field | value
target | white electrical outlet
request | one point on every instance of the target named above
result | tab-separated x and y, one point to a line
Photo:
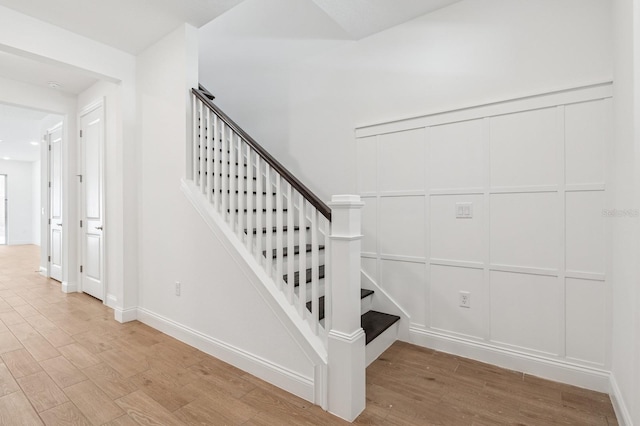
465	299
178	285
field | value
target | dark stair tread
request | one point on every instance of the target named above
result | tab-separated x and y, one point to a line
205	92
237	177
228	176
256	210
275	229
363	293
244	192
296	250
296	276
375	323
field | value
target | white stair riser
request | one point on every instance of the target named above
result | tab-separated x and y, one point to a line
281	240
308	288
254	220
296	261
381	343
254	199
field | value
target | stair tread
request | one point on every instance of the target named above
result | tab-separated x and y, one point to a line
244	192
237	177
296	276
375	323
363	293
275	229
296	250
256	210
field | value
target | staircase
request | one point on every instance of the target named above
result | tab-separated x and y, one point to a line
287	232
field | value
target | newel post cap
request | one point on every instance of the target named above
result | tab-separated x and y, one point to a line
346	201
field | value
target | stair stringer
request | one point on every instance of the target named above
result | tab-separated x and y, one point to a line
299	329
383	302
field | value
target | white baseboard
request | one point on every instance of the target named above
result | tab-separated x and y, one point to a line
548	368
619	406
266	370
20	243
44	272
68	287
125	315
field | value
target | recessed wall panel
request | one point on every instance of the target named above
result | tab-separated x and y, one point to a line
401	226
405	282
524	148
585	232
586	132
446	313
456	156
526	311
369	225
402	157
455	238
586	320
525	230
370	267
366	151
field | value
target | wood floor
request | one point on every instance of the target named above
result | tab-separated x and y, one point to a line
65	361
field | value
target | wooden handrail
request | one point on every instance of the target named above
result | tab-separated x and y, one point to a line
203	94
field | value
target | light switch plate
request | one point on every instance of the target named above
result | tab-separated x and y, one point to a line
464	210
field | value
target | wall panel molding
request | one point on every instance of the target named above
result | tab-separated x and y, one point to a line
524	191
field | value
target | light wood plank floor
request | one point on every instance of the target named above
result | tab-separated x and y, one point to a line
64	360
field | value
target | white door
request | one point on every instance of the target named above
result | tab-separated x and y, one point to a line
54	137
91	145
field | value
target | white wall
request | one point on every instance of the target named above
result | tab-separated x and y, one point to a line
625	251
19	201
469	53
218	309
36	170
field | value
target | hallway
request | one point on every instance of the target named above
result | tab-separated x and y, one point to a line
64	360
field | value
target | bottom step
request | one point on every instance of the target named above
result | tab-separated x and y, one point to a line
375	323
381	330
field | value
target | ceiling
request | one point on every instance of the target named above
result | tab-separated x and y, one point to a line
19	127
362	18
133	25
128	25
38	73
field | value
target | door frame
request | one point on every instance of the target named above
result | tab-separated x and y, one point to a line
90	107
46	167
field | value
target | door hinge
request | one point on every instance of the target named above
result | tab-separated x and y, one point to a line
49	184
80	133
80	176
49	147
80	268
49	258
49	221
81	224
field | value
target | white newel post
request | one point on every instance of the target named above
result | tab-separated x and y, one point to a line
346	340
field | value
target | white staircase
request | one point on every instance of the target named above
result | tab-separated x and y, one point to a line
310	262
